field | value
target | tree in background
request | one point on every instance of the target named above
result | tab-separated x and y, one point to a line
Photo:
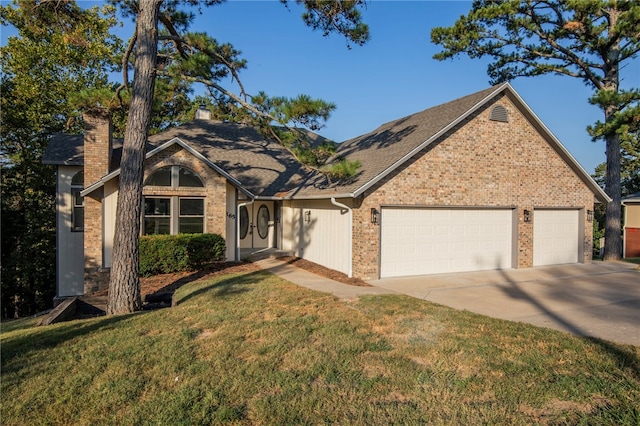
61	50
195	58
590	40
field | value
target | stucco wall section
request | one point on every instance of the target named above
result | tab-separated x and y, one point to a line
478	163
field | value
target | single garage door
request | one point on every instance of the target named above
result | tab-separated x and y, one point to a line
556	237
419	241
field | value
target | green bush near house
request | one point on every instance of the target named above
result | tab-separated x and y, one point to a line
161	254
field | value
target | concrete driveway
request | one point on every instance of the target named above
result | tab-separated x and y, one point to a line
601	299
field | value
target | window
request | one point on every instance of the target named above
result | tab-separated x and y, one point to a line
77	202
174	177
244	222
191	219
173	215
263	221
157	216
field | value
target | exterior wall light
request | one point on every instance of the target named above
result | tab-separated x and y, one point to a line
374	216
590	215
307	216
527	216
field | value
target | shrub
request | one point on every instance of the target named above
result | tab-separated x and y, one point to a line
161	254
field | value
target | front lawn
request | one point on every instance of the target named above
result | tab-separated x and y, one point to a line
253	349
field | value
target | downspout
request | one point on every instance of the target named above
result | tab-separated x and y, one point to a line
238	226
342	206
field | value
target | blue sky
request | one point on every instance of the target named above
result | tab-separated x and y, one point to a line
393	75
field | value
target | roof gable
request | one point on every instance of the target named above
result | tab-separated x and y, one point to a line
393	144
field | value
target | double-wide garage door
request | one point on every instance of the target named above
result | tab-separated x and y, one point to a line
420	241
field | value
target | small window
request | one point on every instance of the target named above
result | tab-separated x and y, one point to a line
244	222
161	177
189	178
157	216
174	176
77	204
191	218
263	221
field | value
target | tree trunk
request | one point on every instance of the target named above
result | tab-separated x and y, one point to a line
612	234
612	183
124	285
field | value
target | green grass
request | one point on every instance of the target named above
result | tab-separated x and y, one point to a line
635	260
254	349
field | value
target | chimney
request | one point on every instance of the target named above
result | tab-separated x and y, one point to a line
98	144
202	113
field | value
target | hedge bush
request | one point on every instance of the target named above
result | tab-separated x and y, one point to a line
161	254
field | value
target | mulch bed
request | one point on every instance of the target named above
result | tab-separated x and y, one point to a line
324	272
158	289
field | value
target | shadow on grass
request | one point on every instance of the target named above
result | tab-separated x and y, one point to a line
233	285
624	358
48	337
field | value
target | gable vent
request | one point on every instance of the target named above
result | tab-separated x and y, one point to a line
499	113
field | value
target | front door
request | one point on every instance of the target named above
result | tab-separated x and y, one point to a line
257	225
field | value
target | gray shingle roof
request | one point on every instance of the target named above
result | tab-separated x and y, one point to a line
261	166
68	150
381	150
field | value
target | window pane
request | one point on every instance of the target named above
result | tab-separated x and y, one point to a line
156	225
244	222
77	218
161	177
191	225
263	221
191	207
78	179
78	200
189	178
157	206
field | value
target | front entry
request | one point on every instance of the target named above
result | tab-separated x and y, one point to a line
257	228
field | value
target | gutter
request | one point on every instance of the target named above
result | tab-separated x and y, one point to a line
343	206
248	203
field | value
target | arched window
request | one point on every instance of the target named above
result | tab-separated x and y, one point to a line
174	176
77	202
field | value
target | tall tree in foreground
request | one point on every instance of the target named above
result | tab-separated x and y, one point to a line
586	39
196	58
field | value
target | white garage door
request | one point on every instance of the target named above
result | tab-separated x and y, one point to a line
433	241
555	237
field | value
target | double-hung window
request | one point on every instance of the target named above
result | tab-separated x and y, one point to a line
173	214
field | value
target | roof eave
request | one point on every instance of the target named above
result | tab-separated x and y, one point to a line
426	143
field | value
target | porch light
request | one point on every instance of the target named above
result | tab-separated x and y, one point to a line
590	215
307	216
527	216
374	216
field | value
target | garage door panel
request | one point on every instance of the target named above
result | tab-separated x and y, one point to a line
444	240
555	237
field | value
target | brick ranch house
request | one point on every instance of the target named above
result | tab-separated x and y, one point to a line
474	184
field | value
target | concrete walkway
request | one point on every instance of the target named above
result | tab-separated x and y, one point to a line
599	299
316	282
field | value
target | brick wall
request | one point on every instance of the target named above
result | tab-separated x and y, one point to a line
97	153
478	163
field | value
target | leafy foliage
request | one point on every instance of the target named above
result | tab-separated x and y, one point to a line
160	254
62	50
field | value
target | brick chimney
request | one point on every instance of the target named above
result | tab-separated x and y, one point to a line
98	146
